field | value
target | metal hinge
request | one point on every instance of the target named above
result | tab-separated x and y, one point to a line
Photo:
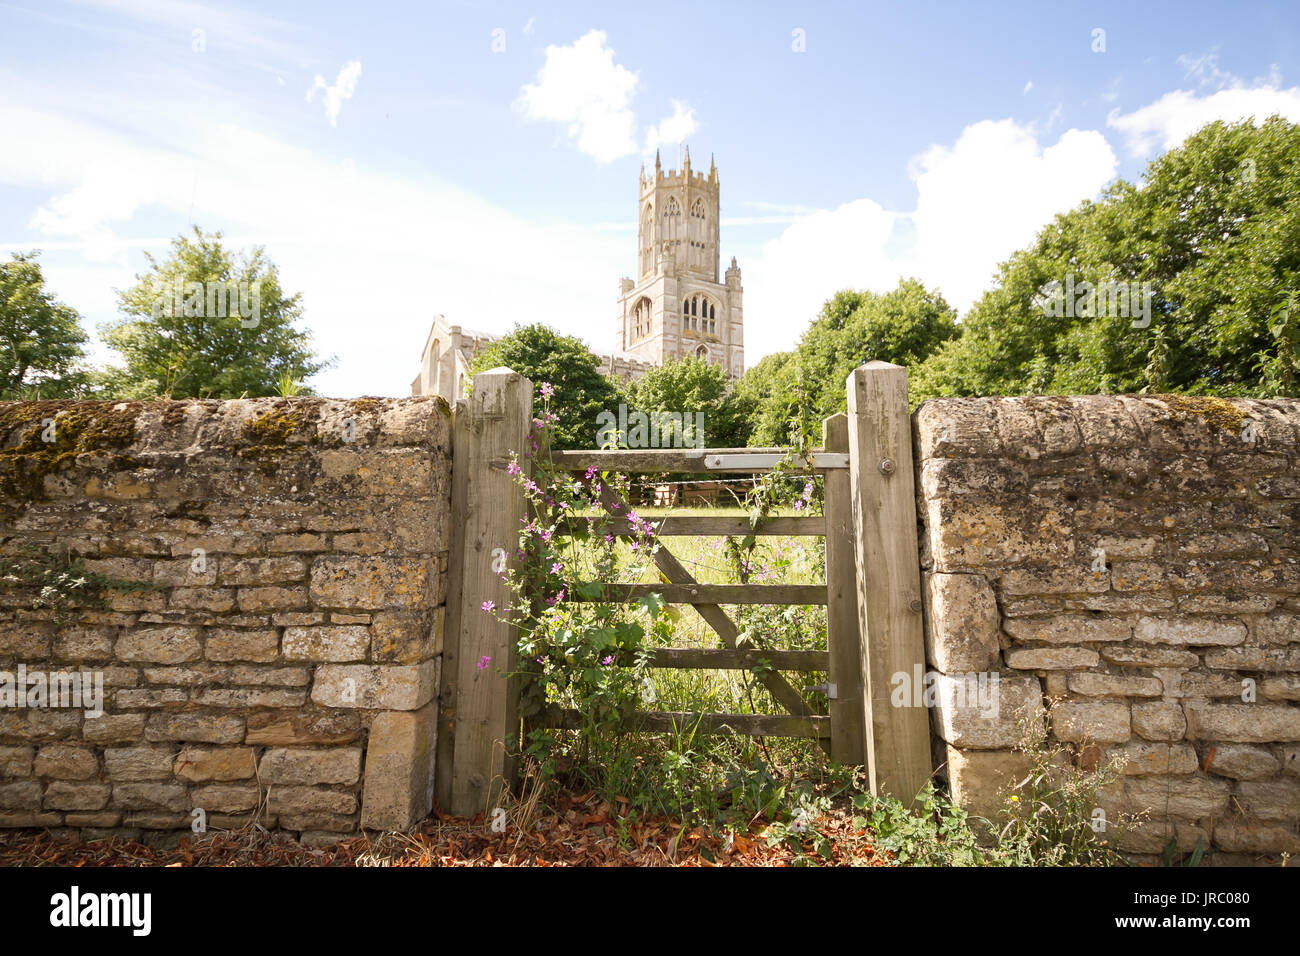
828	689
820	460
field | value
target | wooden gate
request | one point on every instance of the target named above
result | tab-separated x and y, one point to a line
840	730
873	618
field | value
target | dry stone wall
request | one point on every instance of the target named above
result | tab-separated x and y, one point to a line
1129	569
277	658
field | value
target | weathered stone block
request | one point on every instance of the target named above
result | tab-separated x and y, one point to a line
1280	688
270	676
24	795
154	698
1267	659
65	762
70	795
1153	836
1244	837
375	687
961	623
228	644
15	762
132	764
1159	720
1098	722
965	720
197	728
1188	631
330	643
149	796
1143	757
1276	629
243	698
295	766
283	800
216	600
1068	629
113	728
1052	658
1275	800
1243	762
1112	685
1149	657
262	571
1191	796
161	645
369	582
1243	723
405	637
399	769
203	764
290	728
84	644
226	798
979	778
272	599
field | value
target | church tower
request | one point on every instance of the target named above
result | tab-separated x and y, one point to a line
676	307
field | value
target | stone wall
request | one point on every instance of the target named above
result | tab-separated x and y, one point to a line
277	661
1129	567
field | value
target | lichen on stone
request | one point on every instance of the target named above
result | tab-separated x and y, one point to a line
79	428
281	422
1216	412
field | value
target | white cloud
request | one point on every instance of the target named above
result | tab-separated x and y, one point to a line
582	87
1028	86
1206	71
977	202
672	129
442	249
1176	115
344	86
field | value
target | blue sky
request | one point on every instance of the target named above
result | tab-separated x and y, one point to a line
480	160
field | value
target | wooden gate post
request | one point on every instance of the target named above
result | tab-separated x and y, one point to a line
848	721
500	422
889	576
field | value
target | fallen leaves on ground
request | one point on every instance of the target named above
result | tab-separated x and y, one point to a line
576	830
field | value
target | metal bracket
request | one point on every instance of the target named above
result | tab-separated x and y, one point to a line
828	689
820	461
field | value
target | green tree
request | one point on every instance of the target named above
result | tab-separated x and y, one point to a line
42	344
790	393
1212	233
581	391
903	326
770	393
205	323
693	385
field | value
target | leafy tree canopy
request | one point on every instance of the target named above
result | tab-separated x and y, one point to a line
207	324
42	344
1212	233
690	386
797	390
544	355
